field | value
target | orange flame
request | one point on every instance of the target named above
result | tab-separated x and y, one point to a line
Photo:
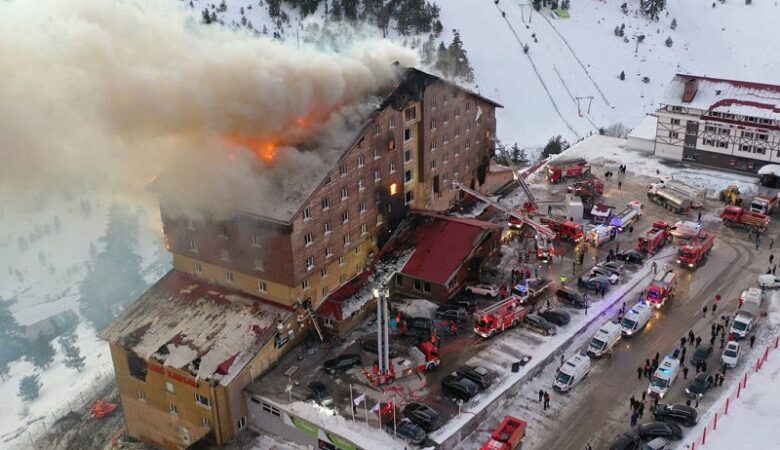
264	149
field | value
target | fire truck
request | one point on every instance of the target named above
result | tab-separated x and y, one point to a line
628	216
695	253
738	217
508	435
653	239
565	169
420	359
498	317
661	288
567	230
592	186
763	204
531	288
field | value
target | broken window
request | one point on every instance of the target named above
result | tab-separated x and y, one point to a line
137	366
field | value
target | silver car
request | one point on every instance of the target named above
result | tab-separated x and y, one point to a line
658	444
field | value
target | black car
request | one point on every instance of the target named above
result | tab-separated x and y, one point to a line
538	323
631	257
423	415
342	363
459	388
556	316
701	354
571	296
651	430
320	393
479	375
682	414
626	441
451	312
371	347
420	326
593	283
700	384
469	304
409	431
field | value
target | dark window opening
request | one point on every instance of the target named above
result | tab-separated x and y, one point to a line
137	366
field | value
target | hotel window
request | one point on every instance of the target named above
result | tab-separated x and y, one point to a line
392	167
393	191
445	119
308	239
342	278
198	267
225	255
410	113
674	134
325	203
377	128
228	276
169	387
190	224
750	119
256	240
305	284
342	261
343	169
724	131
345	216
391	122
433	102
347	239
745	148
677	108
433	124
141	395
361	184
723	144
409	197
222	231
675	121
433	165
760	150
468	106
710	129
457	112
377	153
262	286
206	423
364	229
361	160
765	121
362	207
377	175
173	409
407	134
242	423
193	247
433	144
361	141
309	263
391	144
407	156
259	264
328	227
328	251
468	144
457	132
202	401
761	137
407	176
306	213
357	250
748	135
446	157
378	219
457	151
708	142
271	409
324	272
344	192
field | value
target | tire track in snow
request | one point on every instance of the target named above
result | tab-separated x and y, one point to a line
601	93
538	75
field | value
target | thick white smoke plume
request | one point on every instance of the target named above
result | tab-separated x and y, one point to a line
106	90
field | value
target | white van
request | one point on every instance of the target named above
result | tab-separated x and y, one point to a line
686	229
604	339
572	372
664	376
636	318
747	314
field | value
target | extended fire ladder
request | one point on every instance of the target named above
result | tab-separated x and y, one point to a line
313	316
521	181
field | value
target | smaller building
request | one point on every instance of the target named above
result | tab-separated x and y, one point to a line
447	252
642	138
52	326
601	213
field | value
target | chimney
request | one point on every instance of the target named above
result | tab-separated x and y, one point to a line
691	86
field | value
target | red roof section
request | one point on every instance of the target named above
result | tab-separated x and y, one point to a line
442	246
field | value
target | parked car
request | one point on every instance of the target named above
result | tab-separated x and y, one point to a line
651	430
458	388
342	363
540	325
626	441
479	375
701	354
730	354
469	304
602	272
571	296
768	281
423	415
488	290
593	283
556	316
658	444
420	326
631	257
615	267
409	431
681	414
700	384
320	393
451	312
371	347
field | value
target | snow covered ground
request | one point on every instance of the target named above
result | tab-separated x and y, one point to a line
62	232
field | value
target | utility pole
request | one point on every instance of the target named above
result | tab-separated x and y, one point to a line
530	11
590	101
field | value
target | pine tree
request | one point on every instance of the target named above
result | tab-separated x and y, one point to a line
669	41
565	4
515	153
12	343
335	10
537	4
622	75
40	352
673	25
73	358
443	63
30	387
554	146
4	368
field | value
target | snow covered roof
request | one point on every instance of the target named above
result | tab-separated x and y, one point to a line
188	324
646	129
728	96
770	169
602	210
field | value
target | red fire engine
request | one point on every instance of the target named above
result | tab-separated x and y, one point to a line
661	288
561	170
421	359
498	317
695	253
654	238
734	216
508	435
566	229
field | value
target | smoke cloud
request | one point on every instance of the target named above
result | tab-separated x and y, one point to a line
105	91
